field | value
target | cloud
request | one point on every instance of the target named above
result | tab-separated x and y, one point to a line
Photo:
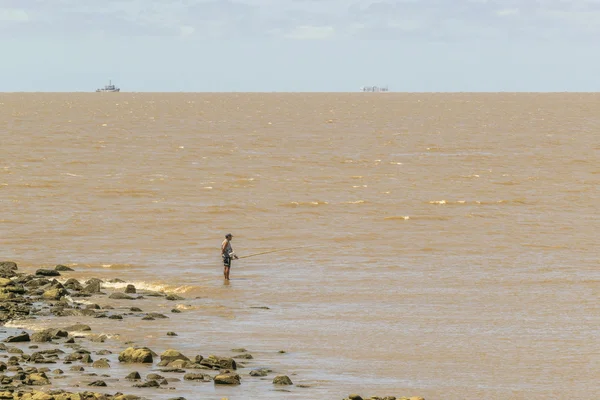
439	20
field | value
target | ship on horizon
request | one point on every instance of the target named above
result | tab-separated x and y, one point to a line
109	88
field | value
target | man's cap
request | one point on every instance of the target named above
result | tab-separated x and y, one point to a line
229	235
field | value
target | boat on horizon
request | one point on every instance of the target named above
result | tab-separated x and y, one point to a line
109	88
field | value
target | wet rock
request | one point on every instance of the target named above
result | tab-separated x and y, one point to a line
227	378
77	368
147	318
281	351
217	362
172	355
172	370
176	311
37	379
77	328
120	296
171	334
197	377
141	355
179	364
134	376
62	268
6	282
47	272
101	363
149	384
260	372
115	316
130	289
58	371
92	287
86	359
239	350
104	352
154	377
54	294
92	307
282	380
156	315
245	356
9	265
174	297
23	337
98	383
135	309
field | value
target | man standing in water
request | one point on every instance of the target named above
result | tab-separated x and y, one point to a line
227	253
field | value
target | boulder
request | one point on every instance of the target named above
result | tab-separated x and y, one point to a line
77	328
130	289
93	287
8	265
47	272
98	383
6	282
149	384
174	297
141	355
259	372
134	376
282	380
227	378
101	363
172	355
197	377
23	337
41	337
120	296
217	362
37	379
73	284
54	294
61	268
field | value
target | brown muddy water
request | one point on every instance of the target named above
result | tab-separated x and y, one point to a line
454	236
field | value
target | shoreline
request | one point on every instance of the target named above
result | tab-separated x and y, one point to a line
31	360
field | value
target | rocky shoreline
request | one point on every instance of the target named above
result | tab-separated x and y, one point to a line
28	372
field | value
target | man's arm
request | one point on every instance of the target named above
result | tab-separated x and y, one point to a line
223	247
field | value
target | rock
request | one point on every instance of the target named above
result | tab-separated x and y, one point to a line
23	337
245	356
355	397
77	368
134	376
217	362
8	265
77	328
6	282
58	372
174	297
61	268
42	396
98	383
239	350
172	355
154	377
130	289
101	363
141	355
148	384
282	380
38	379
259	372
41	337
197	377
179	364
176	311
54	294
120	296
135	309
147	318
97	338
227	379
115	316
104	352
93	287
171	334
156	315
47	272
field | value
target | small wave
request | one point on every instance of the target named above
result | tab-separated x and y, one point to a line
398	217
304	203
153	287
355	202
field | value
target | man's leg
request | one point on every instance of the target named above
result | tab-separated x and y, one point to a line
227	272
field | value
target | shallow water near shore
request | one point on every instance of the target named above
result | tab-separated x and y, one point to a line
453	236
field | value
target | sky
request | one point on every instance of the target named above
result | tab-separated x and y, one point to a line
300	45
